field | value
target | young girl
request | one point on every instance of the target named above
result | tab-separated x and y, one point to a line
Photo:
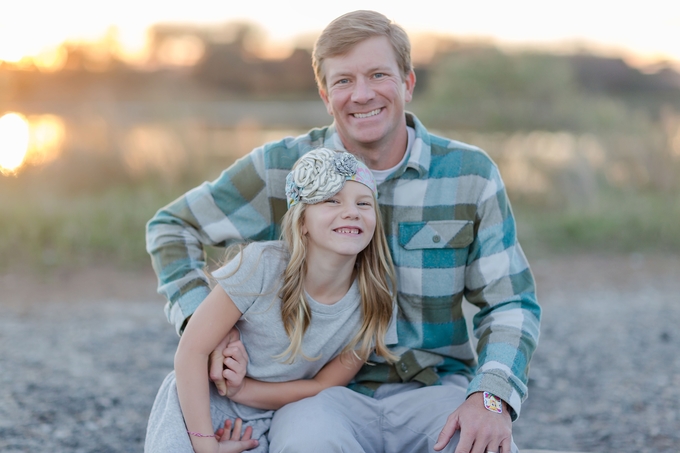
310	308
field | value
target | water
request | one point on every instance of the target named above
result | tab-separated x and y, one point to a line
167	138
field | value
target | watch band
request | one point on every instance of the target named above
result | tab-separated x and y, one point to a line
493	403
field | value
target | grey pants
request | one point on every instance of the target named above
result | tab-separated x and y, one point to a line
167	433
401	418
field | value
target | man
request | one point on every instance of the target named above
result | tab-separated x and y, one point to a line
452	236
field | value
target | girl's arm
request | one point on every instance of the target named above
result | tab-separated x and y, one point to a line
274	395
214	317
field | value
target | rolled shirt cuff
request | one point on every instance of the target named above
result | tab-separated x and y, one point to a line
178	311
495	382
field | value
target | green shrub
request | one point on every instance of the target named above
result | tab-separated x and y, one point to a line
620	222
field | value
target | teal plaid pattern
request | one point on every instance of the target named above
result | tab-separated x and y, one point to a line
452	236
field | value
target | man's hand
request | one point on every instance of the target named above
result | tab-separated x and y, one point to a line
480	429
228	363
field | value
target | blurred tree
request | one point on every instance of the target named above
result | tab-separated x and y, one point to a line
236	68
487	89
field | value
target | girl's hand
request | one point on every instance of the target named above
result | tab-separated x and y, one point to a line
232	441
235	365
216	365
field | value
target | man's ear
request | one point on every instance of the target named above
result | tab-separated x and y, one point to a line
409	84
324	98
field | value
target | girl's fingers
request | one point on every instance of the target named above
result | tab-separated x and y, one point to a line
247	434
220	433
236	350
236	433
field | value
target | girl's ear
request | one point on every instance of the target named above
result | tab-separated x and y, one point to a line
303	227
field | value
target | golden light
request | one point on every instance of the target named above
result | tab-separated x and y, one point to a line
14	138
26	50
154	148
20	44
51	59
46	139
10	53
181	51
133	45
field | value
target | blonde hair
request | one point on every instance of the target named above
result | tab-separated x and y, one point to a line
377	285
346	31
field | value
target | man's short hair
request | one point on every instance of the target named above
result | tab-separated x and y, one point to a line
346	31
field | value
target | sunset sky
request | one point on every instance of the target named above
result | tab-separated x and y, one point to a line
650	30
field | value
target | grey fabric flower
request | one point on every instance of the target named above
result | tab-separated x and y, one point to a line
321	173
345	163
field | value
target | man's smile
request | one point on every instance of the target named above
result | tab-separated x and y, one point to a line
367	115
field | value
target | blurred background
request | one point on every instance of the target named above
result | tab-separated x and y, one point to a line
110	110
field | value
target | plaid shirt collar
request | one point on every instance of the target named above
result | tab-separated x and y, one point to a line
419	151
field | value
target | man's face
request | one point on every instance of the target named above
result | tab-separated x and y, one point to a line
366	95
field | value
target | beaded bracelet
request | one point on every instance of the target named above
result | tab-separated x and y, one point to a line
200	435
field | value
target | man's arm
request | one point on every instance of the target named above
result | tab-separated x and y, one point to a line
216	213
498	281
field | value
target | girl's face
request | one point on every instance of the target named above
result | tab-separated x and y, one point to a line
342	225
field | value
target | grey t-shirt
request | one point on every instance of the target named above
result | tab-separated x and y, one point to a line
254	288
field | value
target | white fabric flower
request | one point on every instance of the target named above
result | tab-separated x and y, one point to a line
316	176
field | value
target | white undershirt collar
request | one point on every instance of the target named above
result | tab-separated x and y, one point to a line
381	175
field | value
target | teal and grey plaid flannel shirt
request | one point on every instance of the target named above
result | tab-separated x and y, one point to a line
451	233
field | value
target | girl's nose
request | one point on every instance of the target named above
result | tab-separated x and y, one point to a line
350	211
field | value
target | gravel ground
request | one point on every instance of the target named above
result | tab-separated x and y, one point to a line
82	355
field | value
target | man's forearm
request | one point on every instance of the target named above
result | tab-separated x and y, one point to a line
175	243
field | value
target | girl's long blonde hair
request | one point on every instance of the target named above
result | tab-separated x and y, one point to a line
377	288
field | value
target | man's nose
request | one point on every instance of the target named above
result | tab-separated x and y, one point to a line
363	92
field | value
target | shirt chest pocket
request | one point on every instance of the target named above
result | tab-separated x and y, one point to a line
436	234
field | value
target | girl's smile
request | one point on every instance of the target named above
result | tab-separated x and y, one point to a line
343	225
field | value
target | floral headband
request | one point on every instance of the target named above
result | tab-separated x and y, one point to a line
321	173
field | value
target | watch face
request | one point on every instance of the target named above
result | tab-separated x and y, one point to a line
493	403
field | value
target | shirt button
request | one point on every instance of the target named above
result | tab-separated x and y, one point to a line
436	238
404	367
